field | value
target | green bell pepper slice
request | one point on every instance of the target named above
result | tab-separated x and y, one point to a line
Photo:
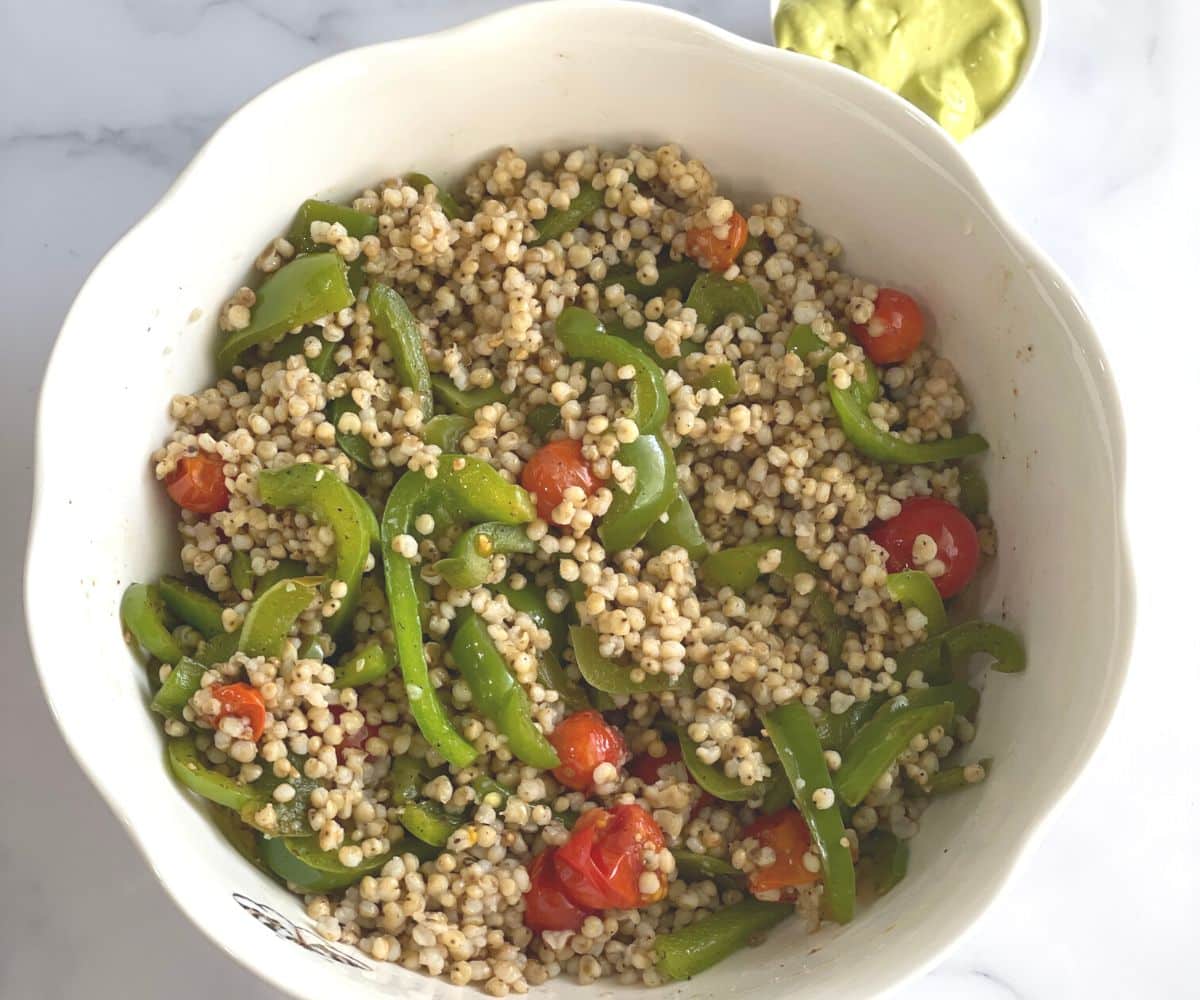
721	377
291	817
963	697
406	778
470	560
186	764
300	292
915	588
465	488
357	224
632	515
446	431
878	745
323	365
144	616
713	779
814	352
884	446
317	491
287	569
544	420
445	200
953	779
396	326
560	221
464	402
791	730
693	866
182	682
218	649
972	492
553	677
490	792
884	860
300	862
690	950
354	445
714	298
680	528
935	657
273	615
240	572
530	600
613	678
583	336
191	606
677	274
428	823
363	666
496	693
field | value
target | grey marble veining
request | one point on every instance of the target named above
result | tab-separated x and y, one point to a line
104	101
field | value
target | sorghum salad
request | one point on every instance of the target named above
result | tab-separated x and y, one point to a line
564	557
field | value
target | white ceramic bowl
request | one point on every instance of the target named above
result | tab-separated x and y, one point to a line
869	168
1035	21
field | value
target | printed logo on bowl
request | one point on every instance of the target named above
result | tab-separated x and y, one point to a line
309	940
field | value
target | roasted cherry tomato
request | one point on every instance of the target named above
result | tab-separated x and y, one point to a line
601	865
949	527
241	701
718	252
553	468
649	769
198	483
786	833
547	905
895	331
583	742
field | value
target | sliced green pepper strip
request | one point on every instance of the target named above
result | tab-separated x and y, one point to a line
287	569
240	572
721	377
144	616
884	446
470	560
964	698
323	365
218	649
693	866
446	431
317	491
490	792
290	819
737	566
428	823
814	352
936	656
445	200
543	420
954	779
713	779
690	950
583	336
972	492
464	402
614	678
466	488
632	515
915	588
182	682
677	274
363	666
795	738
397	327
186	764
560	221
714	298
357	224
354	445
496	693
885	858
300	292
778	793
878	745
406	779
553	677
300	862
273	615
191	606
680	528
242	838
532	602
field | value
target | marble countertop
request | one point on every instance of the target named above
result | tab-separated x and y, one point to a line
106	100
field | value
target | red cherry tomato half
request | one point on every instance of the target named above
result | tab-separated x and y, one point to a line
197	483
894	331
554	467
649	769
719	252
241	701
583	741
786	833
352	741
601	865
957	541
547	906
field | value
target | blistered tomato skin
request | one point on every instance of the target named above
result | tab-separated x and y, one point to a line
649	769
951	530
552	469
894	331
547	906
704	246
601	864
786	833
197	483
583	742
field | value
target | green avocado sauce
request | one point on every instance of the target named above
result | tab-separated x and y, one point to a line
953	59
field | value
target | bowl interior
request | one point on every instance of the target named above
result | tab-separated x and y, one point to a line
870	171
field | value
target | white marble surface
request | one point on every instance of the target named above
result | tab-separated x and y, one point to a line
103	101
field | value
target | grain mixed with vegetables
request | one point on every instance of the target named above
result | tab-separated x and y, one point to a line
564	565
